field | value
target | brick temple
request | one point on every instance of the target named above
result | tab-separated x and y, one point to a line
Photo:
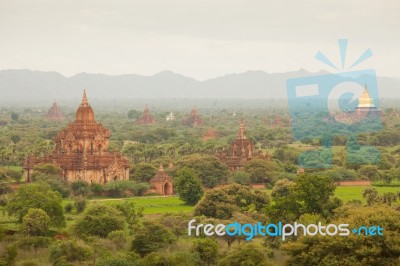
54	113
82	151
240	151
161	183
210	134
194	120
146	118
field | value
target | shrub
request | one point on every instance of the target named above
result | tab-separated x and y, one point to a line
99	221
96	189
150	237
118	188
118	237
70	251
80	188
36	242
9	255
36	223
14	174
80	204
207	248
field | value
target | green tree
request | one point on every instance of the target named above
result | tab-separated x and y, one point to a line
15	139
241	177
371	196
142	172
315	192
133	114
221	203
285	206
207	167
14	116
36	223
69	251
80	204
37	196
207	248
80	188
150	237
188	185
131	212
99	220
47	168
260	171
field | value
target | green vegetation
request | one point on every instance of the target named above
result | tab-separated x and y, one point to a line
52	222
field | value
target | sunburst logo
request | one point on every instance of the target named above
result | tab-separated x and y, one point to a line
344	103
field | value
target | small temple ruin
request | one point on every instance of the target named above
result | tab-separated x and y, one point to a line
161	183
81	151
146	119
54	113
194	120
240	151
210	134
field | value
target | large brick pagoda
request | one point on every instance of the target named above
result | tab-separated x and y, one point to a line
240	151
81	151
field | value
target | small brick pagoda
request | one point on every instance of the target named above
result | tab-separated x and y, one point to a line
54	113
211	134
146	118
194	120
241	151
81	151
161	183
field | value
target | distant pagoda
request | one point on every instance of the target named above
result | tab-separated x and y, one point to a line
82	151
170	117
146	118
211	134
365	102
194	120
366	108
240	151
54	113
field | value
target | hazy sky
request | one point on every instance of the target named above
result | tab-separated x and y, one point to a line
200	39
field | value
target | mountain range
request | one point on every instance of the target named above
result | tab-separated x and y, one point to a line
28	85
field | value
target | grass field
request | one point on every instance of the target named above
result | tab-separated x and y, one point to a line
160	205
347	193
151	205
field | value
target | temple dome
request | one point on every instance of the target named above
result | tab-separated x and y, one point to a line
85	113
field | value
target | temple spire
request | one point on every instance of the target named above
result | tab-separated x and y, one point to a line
84	99
161	169
241	134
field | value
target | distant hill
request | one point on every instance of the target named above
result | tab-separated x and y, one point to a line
27	85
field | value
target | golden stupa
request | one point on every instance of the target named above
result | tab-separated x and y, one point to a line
365	100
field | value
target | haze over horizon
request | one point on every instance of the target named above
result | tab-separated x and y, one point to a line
203	40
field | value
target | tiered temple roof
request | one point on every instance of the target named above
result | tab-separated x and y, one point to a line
194	119
54	113
241	151
81	151
146	118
